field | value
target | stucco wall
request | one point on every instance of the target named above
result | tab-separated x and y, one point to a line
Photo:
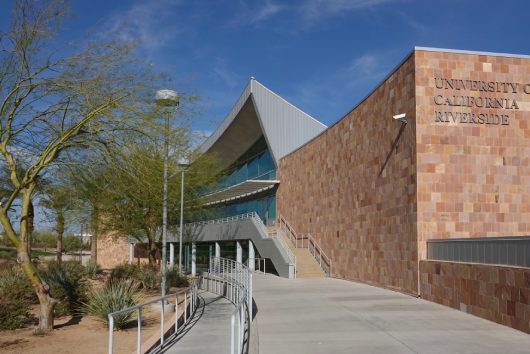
473	179
112	251
332	188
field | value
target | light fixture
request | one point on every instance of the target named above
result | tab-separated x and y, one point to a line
167	98
401	117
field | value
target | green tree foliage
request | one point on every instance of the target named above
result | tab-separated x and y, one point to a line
135	183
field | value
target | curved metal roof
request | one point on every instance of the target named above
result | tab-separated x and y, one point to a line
259	111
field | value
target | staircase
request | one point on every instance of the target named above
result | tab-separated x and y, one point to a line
306	264
311	261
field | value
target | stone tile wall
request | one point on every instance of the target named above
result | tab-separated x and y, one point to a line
496	293
333	188
473	179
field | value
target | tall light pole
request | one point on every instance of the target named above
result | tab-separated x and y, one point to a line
181	219
165	98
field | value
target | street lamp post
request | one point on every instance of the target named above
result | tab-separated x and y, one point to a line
181	219
165	98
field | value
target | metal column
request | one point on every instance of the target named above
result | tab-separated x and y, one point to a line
239	252
251	256
217	250
171	255
131	253
193	259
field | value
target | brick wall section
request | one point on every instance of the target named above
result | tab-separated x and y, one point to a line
331	188
473	179
496	293
112	251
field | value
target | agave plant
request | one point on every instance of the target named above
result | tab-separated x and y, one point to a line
92	270
114	296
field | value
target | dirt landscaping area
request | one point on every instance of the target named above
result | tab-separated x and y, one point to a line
85	335
78	335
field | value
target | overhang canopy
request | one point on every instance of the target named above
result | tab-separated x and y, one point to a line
241	190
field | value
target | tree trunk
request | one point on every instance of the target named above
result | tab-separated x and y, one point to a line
47	303
94	240
30	226
26	220
153	250
59	227
150	230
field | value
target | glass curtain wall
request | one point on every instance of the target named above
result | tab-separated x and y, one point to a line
255	163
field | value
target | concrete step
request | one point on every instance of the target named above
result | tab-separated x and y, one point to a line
306	264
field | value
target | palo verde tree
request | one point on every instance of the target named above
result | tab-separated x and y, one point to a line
135	186
52	106
57	201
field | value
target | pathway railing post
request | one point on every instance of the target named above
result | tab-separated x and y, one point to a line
111	333
139	337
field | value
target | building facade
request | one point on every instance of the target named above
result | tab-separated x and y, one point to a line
423	187
438	207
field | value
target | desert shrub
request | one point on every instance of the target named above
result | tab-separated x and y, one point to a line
67	285
124	271
15	313
176	280
115	295
92	270
147	276
15	284
16	297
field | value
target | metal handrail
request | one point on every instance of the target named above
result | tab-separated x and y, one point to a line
287	250
233	280
251	215
190	292
307	241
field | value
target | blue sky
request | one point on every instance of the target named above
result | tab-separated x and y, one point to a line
322	55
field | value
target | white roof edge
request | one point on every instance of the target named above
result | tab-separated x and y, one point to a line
243	97
289	103
459	51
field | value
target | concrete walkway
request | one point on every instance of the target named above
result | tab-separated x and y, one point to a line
208	330
323	315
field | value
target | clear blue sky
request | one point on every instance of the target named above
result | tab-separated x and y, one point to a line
322	55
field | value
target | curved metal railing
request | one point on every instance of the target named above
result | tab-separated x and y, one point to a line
190	304
233	281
